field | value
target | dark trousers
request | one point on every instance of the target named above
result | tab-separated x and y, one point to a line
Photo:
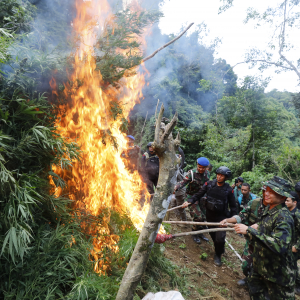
151	182
219	241
259	287
217	237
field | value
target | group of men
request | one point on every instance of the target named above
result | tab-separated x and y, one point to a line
270	224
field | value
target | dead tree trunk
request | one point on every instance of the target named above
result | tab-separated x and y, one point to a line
165	147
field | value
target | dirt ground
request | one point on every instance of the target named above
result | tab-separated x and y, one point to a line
206	280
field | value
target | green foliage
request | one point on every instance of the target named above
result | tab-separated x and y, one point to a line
122	34
16	15
204	256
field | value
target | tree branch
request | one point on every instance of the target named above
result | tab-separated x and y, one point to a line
166	45
282	42
158	124
170	127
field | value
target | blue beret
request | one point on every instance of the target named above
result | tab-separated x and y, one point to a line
203	161
131	137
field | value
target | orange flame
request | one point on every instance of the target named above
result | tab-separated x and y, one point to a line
100	180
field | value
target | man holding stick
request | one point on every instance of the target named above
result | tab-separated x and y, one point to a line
195	180
272	239
219	196
249	215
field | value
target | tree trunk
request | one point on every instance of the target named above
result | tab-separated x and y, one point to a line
165	147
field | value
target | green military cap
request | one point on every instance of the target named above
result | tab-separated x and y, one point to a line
280	186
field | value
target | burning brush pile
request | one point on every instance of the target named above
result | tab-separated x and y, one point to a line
93	116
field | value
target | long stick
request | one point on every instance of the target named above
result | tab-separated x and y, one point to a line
197	223
202	231
166	45
234	251
175	207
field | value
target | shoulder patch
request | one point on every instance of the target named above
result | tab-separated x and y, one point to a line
232	191
205	183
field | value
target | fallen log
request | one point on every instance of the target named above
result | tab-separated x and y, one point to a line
161	238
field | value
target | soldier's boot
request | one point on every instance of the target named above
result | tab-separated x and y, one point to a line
242	282
201	235
217	260
196	239
297	290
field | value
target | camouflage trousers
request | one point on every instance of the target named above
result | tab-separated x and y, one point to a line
197	212
247	256
259	287
298	270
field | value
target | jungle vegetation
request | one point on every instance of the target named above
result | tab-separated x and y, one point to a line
45	254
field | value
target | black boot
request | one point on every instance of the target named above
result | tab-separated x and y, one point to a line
201	235
217	260
242	282
196	239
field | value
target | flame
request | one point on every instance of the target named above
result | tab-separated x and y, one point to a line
100	180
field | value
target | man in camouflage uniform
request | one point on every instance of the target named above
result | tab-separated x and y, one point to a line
195	180
249	215
272	240
291	204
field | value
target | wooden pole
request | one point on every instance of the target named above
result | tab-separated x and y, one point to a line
202	231
175	207
198	223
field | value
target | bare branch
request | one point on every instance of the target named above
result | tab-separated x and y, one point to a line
282	42
158	123
166	45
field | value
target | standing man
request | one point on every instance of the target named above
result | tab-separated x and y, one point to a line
150	168
272	239
249	215
219	196
245	196
195	180
297	189
237	187
291	204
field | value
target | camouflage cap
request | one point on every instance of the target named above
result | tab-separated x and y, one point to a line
280	186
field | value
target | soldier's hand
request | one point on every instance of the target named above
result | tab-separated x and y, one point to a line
224	223
240	228
294	249
255	226
185	204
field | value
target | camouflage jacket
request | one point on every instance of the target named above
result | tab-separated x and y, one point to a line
272	241
195	181
296	215
251	213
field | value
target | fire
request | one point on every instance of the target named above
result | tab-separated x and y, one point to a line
100	180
